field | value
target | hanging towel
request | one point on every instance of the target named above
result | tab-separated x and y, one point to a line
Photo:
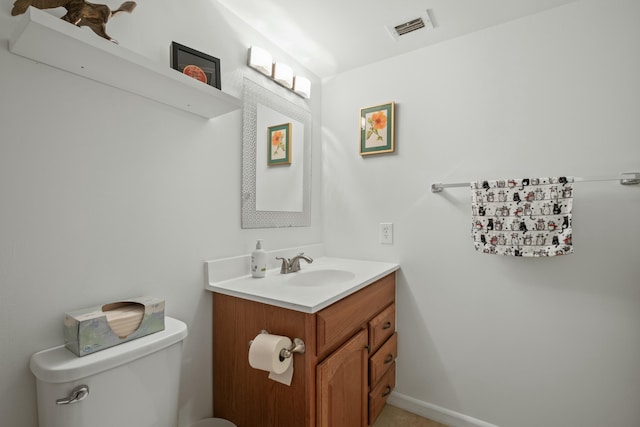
522	217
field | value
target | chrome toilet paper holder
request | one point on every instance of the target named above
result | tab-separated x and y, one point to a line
296	347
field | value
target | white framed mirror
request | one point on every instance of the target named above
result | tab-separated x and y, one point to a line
276	195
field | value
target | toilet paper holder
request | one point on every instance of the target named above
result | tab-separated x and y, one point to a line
296	347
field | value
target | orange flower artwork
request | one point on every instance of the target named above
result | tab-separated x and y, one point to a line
377	129
279	140
377	122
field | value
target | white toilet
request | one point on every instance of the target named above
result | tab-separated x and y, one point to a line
131	384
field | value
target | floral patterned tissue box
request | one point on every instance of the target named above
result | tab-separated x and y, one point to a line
96	328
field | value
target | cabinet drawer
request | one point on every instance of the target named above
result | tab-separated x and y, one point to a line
341	320
382	327
380	362
378	396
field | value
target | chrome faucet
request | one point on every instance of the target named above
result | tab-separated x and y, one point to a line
292	265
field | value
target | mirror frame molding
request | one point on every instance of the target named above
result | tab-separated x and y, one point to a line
254	94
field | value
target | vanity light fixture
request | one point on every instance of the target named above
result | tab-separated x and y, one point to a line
283	74
262	61
302	86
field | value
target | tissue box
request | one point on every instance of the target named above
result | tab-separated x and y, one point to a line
93	329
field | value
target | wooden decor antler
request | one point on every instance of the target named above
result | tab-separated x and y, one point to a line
79	12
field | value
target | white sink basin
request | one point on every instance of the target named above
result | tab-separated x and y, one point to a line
315	287
320	277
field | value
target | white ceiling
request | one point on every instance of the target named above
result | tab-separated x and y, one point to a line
332	36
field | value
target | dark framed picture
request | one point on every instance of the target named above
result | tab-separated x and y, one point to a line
196	64
377	129
279	145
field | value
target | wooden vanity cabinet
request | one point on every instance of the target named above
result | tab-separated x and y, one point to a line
342	380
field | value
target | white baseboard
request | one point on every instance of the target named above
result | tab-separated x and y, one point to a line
434	412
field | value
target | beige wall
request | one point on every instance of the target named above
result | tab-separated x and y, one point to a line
105	195
510	342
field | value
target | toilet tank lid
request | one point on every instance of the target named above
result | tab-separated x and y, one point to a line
60	365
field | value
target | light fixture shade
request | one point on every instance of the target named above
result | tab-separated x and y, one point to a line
283	74
261	60
302	86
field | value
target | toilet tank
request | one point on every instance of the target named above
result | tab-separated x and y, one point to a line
132	384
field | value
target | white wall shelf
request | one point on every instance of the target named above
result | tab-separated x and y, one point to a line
52	41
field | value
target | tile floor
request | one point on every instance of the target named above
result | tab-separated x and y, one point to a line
396	417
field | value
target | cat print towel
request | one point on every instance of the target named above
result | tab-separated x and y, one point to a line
523	217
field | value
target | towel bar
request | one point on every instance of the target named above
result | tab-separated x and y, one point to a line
626	178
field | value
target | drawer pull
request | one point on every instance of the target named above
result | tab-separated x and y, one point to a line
387	391
388	359
386	325
368	347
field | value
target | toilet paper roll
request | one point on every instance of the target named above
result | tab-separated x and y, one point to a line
284	378
264	353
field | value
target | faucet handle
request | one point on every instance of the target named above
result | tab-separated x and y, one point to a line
284	268
294	263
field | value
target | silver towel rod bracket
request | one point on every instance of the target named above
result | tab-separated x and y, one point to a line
634	180
626	178
436	188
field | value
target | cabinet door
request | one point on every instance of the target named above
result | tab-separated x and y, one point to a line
342	385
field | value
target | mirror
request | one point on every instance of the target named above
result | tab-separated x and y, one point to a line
276	194
281	174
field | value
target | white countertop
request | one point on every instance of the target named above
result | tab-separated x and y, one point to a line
299	291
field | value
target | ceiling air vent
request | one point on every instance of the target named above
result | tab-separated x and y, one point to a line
422	21
407	27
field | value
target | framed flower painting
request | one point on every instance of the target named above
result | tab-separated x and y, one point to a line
377	129
279	145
